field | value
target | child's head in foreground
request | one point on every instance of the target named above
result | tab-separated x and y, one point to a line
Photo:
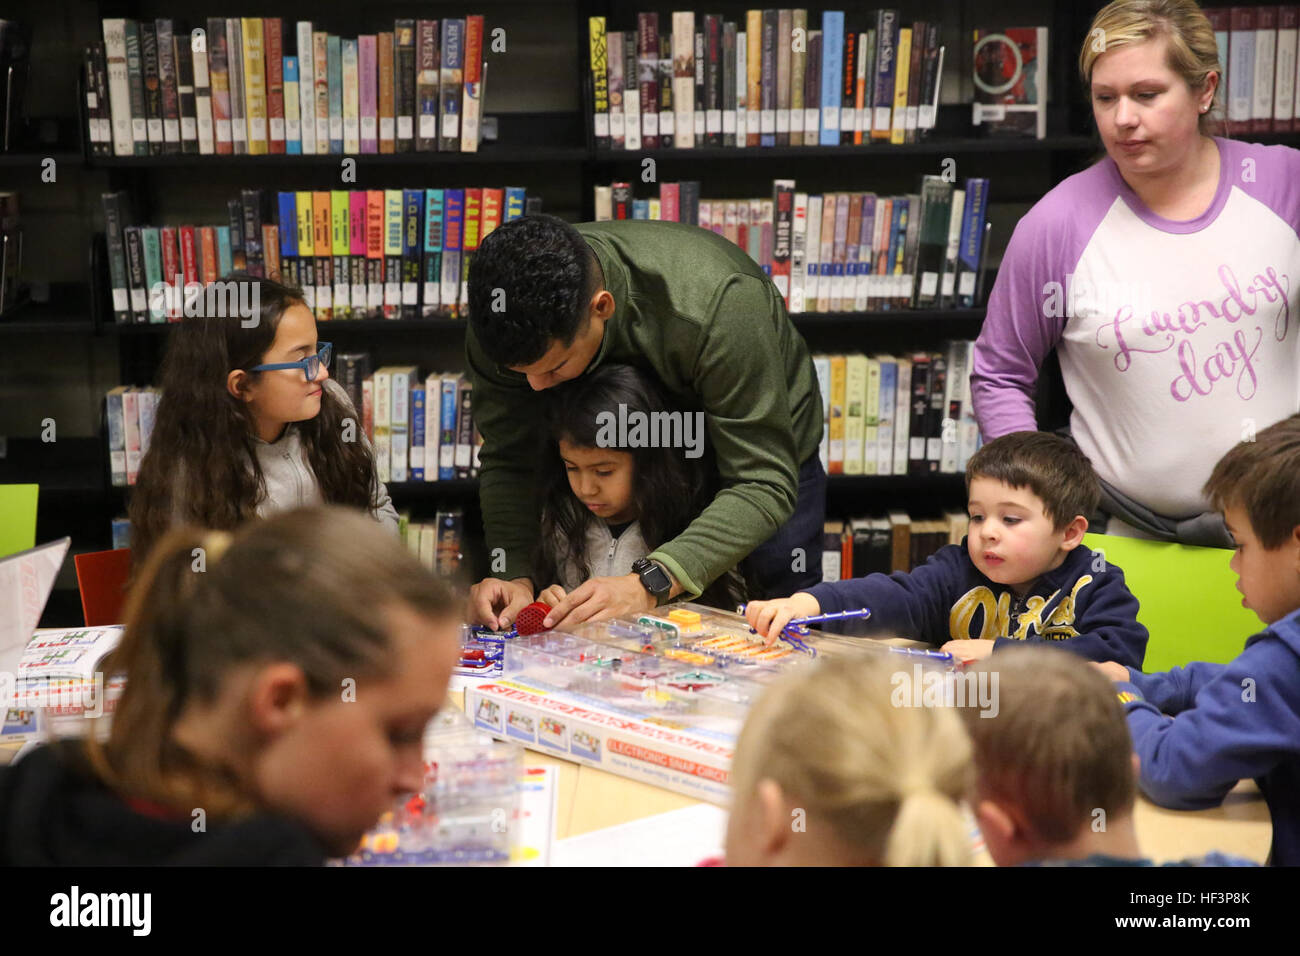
1054	767
1029	495
1257	487
289	667
828	772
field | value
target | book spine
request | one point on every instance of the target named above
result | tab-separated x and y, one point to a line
767	86
273	38
972	240
404	83
783	198
451	80
740	80
375	252
848	87
453	225
887	38
712	80
475	76
306	88
183	54
340	247
667	116
647	67
238	108
426	85
202	92
135	273
470	236
334	80
208	255
1284	80
303	207
599	64
392	253
898	131
367	66
292	108
412	214
631	93
357	251
1265	64
351	98
1241	78
617	77
798	74
152	87
167	85
135	80
832	65
683	59
219	78
320	49
812	94
753	77
153	274
387	121
914	81
322	242
119	89
172	279
431	261
115	222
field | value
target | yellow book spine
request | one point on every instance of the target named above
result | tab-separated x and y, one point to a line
898	133
254	84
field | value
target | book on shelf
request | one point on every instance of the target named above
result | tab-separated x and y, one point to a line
840	252
777	77
1010	77
897	415
267	86
354	254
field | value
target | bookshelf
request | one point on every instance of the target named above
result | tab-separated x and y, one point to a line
541	98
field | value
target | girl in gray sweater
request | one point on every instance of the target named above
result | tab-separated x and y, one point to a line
251	424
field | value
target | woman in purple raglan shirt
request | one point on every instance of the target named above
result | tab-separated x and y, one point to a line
1166	277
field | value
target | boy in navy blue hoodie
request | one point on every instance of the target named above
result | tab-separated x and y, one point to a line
1199	729
1019	575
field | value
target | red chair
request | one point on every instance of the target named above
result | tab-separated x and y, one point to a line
101	578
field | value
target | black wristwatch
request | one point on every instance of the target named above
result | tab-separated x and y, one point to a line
653	578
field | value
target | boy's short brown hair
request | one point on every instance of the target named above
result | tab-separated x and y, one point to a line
1050	466
1058	748
1263	477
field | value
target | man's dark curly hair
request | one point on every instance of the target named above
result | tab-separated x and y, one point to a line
548	276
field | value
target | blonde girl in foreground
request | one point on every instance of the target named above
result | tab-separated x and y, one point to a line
828	772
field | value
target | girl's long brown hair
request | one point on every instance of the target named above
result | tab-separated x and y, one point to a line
202	464
308	586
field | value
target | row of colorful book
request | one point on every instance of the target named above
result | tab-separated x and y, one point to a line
233	86
898	415
841	252
773	80
421	427
439	543
896	541
393	254
1257	50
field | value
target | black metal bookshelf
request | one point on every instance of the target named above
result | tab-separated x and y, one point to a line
550	150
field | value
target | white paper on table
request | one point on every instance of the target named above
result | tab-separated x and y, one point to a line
682	837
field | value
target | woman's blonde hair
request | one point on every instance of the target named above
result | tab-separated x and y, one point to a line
888	780
1191	49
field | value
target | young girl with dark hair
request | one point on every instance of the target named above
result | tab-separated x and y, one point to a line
602	506
281	687
250	423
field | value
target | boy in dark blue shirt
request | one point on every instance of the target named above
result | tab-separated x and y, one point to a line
1199	729
1019	575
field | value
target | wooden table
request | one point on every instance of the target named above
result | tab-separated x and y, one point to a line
591	799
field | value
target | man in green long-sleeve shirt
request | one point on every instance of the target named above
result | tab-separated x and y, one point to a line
549	302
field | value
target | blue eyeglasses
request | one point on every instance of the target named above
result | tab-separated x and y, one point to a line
310	366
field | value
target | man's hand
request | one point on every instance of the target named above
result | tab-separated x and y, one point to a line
769	618
1112	669
494	602
969	651
599	599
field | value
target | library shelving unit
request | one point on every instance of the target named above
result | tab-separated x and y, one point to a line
551	154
